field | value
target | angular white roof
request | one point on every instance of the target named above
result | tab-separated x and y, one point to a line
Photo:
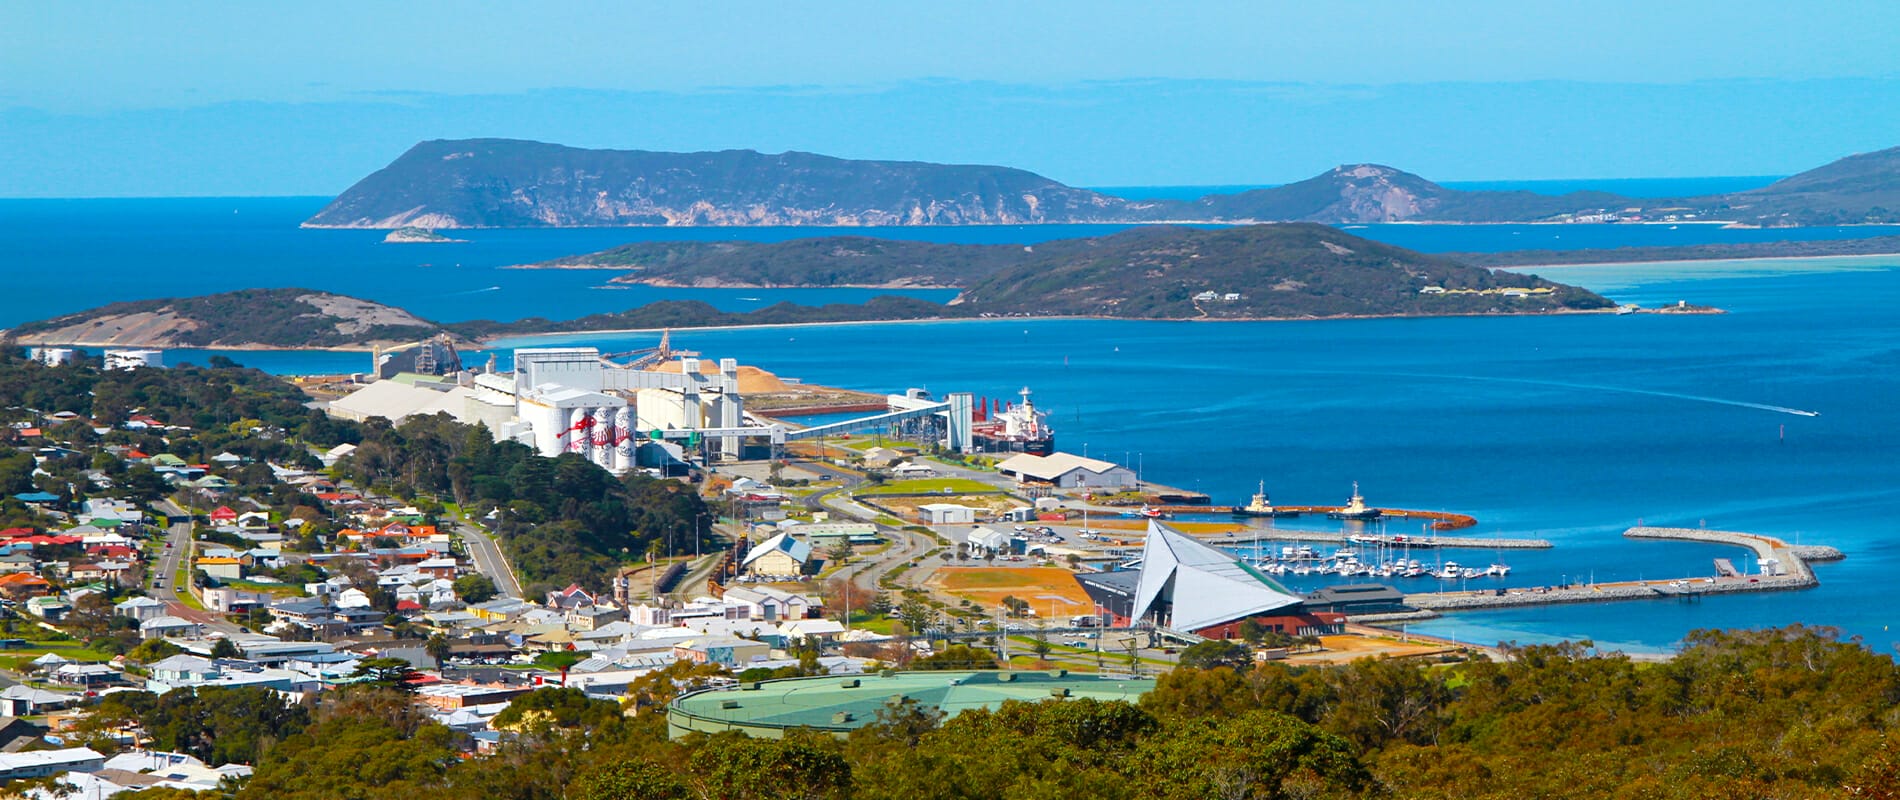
1206	586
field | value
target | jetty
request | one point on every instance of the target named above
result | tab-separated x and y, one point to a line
1783	567
1275	535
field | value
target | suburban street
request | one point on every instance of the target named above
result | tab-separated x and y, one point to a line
488	559
164	580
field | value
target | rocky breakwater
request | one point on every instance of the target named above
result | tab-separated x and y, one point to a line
1787	568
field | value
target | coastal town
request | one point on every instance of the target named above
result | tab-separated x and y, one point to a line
849	401
922	534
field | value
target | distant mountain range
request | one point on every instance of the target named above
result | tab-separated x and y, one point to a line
481	183
505	183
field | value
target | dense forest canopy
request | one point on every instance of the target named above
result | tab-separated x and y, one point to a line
1780	713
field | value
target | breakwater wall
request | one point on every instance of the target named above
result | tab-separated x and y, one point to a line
1792	561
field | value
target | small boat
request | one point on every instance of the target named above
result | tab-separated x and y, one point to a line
1356	508
1261	507
1151	513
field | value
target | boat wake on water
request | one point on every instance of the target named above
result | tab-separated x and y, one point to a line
1617	389
476	291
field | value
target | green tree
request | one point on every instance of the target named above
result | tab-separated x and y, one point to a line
438	649
386	672
956	657
1217	653
915	614
225	648
797	767
628	780
1248	754
560	661
475	588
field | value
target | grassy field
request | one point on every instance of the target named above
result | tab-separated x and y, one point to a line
932	486
1045	589
274	589
181	582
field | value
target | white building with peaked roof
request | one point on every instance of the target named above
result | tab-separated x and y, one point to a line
780	555
1189	586
1067	471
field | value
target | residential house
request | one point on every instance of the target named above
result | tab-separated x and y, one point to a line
21	586
718	650
48	607
814	630
226	600
184	670
88	675
167	627
221	567
140	609
42	763
768	604
569	598
592	618
302	610
20	700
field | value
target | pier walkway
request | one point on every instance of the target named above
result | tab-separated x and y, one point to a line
1788	562
1252	535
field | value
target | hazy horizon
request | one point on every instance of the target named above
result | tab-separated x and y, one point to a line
138	100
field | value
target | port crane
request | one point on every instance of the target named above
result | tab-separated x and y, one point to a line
431	354
648	357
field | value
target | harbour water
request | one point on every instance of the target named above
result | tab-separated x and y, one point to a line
1567	428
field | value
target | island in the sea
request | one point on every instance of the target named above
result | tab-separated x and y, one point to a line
417	236
1257	272
488	183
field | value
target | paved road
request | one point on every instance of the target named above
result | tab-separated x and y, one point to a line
165	579
488	559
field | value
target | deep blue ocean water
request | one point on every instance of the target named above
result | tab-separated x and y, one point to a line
78	254
1569	428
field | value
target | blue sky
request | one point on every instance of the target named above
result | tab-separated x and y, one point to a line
142	99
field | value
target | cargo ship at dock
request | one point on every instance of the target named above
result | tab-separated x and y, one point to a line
1013	428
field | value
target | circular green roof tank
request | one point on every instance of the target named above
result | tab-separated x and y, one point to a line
842	703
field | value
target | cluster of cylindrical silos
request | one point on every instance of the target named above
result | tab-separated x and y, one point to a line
603	435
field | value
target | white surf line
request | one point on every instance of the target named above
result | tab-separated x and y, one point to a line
1594	387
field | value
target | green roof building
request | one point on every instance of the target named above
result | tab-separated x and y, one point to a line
841	703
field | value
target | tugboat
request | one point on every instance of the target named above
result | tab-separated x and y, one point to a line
1260	507
1356	508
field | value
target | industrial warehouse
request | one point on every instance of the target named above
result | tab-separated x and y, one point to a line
656	412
